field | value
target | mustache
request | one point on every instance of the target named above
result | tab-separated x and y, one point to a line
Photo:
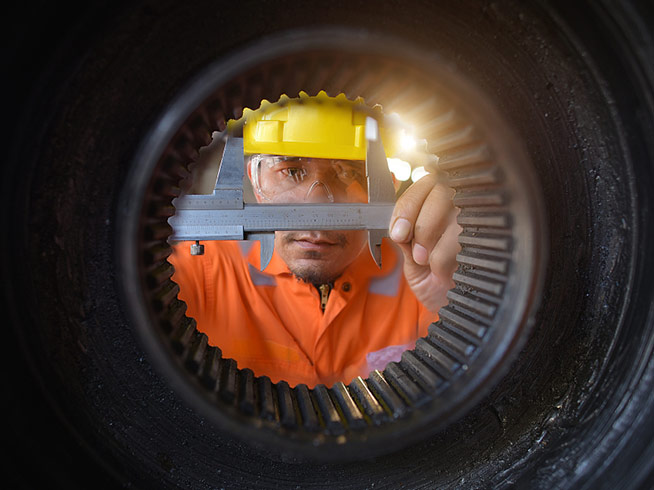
332	237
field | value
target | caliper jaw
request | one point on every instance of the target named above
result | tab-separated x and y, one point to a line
380	184
267	242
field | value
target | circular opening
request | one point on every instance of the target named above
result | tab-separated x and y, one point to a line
497	282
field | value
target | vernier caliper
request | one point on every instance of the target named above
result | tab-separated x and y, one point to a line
223	215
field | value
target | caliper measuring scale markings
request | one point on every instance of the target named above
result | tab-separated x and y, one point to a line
223	215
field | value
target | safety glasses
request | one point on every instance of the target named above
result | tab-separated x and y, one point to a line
297	179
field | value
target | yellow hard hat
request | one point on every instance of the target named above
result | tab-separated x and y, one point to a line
317	126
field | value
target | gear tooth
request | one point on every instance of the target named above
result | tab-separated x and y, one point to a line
265	103
341	97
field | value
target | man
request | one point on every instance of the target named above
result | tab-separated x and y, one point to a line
321	311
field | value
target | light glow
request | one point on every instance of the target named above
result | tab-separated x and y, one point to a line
400	168
407	142
418	173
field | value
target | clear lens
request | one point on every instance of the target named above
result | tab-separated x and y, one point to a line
296	179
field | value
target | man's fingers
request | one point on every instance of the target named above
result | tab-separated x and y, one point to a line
442	259
408	207
433	219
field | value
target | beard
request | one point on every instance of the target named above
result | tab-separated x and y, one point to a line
314	276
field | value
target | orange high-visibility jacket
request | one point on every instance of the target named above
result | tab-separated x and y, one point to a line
273	323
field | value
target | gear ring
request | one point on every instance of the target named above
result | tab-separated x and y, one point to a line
498	281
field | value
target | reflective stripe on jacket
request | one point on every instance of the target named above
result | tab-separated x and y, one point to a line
272	323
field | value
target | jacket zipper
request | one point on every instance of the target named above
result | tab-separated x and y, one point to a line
324	295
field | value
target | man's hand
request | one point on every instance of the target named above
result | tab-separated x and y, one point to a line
424	226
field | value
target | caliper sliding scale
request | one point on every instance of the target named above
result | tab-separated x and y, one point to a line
223	215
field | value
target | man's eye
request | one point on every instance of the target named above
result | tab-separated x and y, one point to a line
295	173
350	174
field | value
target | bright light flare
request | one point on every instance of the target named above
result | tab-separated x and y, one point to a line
400	168
407	142
418	173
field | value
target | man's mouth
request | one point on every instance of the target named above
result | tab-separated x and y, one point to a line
314	244
316	241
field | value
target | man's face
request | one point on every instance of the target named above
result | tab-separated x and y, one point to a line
317	257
